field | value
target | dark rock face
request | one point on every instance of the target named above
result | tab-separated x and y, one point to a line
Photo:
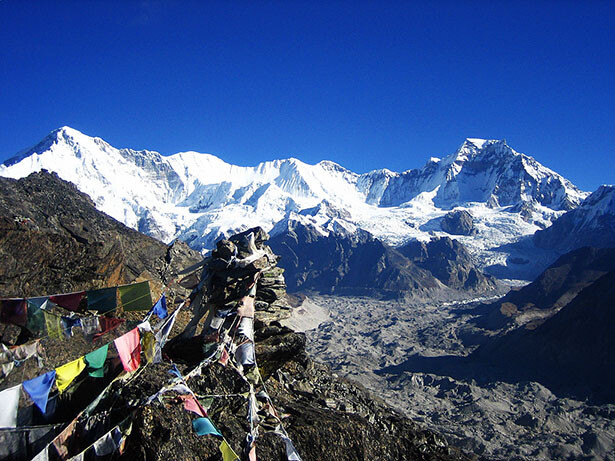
53	240
552	290
449	262
591	224
573	351
458	222
355	263
359	264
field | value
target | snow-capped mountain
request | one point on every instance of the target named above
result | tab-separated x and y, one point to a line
198	197
591	224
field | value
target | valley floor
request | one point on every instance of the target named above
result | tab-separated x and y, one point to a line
412	355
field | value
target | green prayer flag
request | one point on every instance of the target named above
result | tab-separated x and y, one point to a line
136	297
36	318
53	323
96	361
103	300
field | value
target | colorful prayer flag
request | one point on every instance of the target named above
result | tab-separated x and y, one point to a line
227	452
14	311
204	426
96	361
160	308
247	307
103	300
38	389
136	297
36	318
107	324
53	323
67	373
191	404
129	349
70	301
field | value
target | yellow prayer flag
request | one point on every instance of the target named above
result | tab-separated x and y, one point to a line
53	323
148	343
67	373
227	452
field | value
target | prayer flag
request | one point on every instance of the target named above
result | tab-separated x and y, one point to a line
14	311
129	349
252	454
291	453
36	318
9	402
190	404
67	373
148	342
247	307
103	300
67	325
136	297
108	443
38	389
70	301
246	327
203	426
160	308
163	334
227	452
53	323
107	324
96	361
245	353
90	326
224	357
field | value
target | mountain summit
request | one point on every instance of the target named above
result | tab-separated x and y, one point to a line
199	197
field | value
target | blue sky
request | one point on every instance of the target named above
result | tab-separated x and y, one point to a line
365	84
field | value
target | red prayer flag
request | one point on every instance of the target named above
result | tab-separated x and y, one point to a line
70	301
107	324
224	357
129	349
14	311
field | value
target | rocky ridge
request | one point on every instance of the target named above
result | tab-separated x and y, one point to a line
357	263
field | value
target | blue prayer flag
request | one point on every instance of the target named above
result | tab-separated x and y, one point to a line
203	426
38	389
160	308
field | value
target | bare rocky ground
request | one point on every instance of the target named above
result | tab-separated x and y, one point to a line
360	337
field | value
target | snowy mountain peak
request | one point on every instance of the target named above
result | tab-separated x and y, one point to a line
199	197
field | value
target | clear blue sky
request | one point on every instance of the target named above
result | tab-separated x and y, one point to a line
366	84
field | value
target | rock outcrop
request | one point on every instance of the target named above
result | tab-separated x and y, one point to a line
458	222
449	262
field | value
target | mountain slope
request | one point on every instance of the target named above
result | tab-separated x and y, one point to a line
573	351
553	289
591	224
53	240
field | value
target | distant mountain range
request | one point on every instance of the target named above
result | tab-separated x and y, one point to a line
485	194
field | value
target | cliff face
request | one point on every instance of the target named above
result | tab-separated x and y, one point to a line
55	241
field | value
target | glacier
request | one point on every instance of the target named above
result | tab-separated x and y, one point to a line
199	198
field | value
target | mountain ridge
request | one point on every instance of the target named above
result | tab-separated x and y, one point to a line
200	198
